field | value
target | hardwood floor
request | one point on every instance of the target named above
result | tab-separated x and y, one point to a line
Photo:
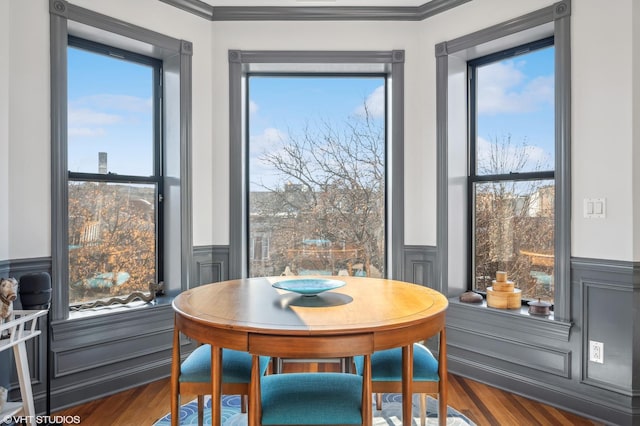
485	405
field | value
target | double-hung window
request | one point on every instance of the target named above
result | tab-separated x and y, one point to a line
115	181
511	182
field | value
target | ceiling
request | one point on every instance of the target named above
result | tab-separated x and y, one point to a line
301	3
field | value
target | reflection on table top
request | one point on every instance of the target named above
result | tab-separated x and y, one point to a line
363	304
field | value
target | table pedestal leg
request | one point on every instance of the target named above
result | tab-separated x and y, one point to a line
216	385
407	385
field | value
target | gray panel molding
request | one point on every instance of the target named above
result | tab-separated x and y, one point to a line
490	321
315	13
608	286
212	264
419	264
533	358
58	7
316	56
513	26
96	20
197	7
579	401
94	387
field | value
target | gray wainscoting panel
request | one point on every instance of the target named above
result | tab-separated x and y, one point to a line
107	353
548	360
531	359
212	264
609	298
419	265
37	364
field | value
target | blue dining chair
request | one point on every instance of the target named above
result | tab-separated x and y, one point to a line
317	398
386	375
194	377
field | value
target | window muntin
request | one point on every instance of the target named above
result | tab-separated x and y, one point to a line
114	179
511	168
316	166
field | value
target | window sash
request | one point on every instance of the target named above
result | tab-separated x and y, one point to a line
474	178
156	179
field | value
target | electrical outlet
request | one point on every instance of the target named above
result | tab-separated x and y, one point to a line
596	352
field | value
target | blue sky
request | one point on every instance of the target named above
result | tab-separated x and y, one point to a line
110	110
516	97
110	106
280	106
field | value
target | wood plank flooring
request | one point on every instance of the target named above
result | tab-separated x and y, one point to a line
483	404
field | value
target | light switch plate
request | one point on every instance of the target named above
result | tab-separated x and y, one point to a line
595	208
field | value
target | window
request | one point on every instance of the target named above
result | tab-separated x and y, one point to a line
316	164
288	213
115	178
85	173
454	270
511	168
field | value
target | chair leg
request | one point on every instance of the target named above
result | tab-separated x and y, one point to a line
379	401
243	403
200	410
423	409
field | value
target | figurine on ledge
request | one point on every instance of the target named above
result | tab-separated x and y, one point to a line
8	293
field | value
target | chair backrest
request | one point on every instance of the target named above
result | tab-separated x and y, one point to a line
311	347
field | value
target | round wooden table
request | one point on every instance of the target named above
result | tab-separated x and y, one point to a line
249	314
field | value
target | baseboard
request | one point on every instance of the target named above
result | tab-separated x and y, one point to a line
575	402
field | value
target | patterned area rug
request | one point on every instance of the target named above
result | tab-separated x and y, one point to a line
391	413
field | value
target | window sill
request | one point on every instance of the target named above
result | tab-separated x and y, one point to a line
480	317
136	306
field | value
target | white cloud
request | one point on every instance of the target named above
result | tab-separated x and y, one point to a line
116	102
536	157
374	104
86	132
501	89
86	116
253	107
269	140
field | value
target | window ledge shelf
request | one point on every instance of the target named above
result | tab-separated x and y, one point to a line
482	318
119	308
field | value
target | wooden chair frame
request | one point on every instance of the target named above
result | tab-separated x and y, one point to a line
423	388
198	388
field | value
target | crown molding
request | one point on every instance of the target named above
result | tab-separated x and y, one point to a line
315	13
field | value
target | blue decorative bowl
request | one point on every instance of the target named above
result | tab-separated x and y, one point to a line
308	286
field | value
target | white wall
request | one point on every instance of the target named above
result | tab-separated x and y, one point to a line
157	16
29	130
312	36
602	125
603	128
4	129
636	128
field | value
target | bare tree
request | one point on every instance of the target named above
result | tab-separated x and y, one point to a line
329	200
514	221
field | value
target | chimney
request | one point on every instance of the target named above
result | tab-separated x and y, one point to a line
102	163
